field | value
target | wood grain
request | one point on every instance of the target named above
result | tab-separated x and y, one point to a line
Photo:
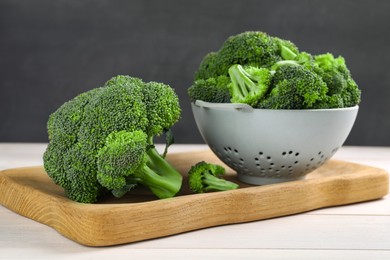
140	216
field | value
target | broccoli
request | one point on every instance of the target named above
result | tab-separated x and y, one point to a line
256	49
287	49
249	48
210	90
338	79
253	51
207	68
294	87
204	177
126	160
249	84
119	119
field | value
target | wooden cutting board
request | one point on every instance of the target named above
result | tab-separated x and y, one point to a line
140	216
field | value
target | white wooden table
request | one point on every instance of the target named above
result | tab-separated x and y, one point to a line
360	231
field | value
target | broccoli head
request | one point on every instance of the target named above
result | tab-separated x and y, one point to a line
207	68
294	87
124	162
210	90
204	177
249	85
338	79
92	135
251	48
256	49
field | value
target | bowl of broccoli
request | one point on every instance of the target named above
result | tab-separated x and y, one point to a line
271	112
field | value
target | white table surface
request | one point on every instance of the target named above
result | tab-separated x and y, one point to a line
359	231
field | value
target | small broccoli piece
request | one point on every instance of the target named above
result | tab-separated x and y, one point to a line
294	87
249	84
204	177
333	71
208	67
305	59
124	161
337	78
213	90
121	156
287	49
84	139
333	101
256	49
281	63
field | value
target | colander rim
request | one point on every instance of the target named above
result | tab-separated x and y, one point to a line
236	106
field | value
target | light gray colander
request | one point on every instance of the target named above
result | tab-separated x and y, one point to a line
267	146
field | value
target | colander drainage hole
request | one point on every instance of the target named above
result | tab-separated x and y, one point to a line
228	149
290	153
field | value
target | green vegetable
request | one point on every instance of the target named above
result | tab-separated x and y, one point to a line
204	177
208	67
102	140
211	90
243	55
127	159
294	87
249	85
250	48
338	79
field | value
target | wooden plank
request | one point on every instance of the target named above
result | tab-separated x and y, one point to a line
298	232
139	216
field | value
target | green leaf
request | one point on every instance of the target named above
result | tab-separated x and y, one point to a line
169	140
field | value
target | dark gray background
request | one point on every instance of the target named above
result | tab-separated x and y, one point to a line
52	50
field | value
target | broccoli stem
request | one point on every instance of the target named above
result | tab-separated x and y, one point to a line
162	179
162	186
286	53
281	63
212	183
242	83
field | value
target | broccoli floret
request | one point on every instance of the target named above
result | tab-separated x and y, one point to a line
208	67
342	89
338	79
85	128
126	160
162	107
210	90
287	49
305	59
249	84
204	177
251	48
333	101
294	87
256	49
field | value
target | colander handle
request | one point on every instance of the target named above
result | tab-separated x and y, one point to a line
238	106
